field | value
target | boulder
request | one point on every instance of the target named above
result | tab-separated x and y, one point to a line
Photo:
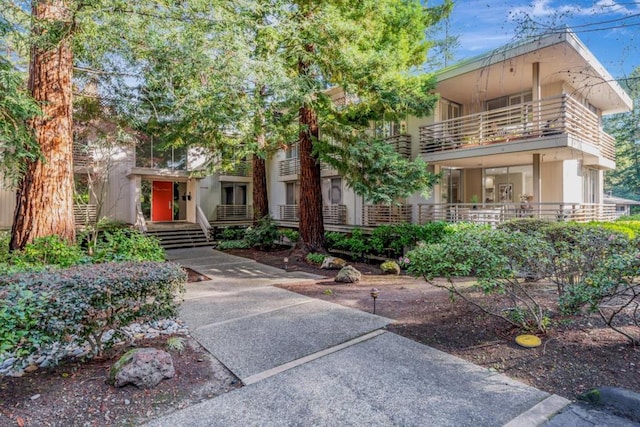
333	263
348	275
142	367
390	267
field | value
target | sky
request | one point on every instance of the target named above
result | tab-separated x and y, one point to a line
609	28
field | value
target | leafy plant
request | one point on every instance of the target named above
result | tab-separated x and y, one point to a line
292	235
232	233
263	235
49	250
176	343
315	258
83	302
127	245
233	244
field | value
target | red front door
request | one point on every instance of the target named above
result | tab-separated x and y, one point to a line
162	201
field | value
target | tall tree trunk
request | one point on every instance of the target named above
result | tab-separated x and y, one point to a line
260	197
311	221
45	193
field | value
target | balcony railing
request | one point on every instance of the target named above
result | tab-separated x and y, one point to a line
374	215
289	213
242	168
234	212
85	214
561	115
495	213
401	143
334	214
81	155
290	166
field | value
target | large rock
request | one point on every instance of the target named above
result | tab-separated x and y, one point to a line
142	367
390	267
348	275
333	263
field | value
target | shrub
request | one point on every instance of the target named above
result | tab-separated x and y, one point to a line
335	240
233	244
524	225
5	237
232	233
315	258
263	235
127	245
292	235
83	302
49	250
501	261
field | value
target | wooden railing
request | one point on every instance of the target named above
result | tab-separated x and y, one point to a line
289	213
289	166
203	222
334	214
234	212
374	215
81	155
85	214
401	143
495	213
560	115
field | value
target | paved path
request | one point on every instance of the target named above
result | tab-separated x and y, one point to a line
306	362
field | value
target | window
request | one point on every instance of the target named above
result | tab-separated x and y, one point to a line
449	109
292	151
332	191
292	193
451	186
591	185
385	129
234	194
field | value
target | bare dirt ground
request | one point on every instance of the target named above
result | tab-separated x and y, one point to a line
577	354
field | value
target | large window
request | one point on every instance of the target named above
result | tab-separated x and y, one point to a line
591	185
332	191
292	193
507	184
150	155
451	186
385	128
234	194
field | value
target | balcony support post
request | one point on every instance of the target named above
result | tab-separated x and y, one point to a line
537	184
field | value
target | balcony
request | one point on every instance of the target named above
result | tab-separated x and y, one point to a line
234	212
289	213
242	168
375	215
401	143
334	214
85	214
496	213
289	166
82	158
561	115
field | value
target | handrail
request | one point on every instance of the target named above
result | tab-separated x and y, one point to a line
495	213
202	221
548	117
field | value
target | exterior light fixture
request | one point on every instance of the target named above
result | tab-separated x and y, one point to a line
286	264
375	293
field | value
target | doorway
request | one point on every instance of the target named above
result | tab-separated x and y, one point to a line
161	201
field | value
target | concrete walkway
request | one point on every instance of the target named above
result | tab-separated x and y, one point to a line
306	362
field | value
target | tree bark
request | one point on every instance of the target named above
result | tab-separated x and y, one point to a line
45	193
311	223
260	195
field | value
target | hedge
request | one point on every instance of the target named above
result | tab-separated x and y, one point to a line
83	302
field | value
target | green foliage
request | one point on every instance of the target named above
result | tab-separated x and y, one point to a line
524	225
233	244
49	250
315	258
501	262
292	235
127	245
176	344
83	302
231	233
263	235
397	237
16	109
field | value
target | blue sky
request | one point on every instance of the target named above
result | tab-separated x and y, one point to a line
609	28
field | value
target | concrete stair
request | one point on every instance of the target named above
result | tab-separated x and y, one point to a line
183	237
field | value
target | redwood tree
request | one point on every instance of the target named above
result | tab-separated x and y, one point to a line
45	192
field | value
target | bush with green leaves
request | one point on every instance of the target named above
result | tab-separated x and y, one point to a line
127	245
83	302
501	261
263	235
315	258
231	233
392	240
49	250
292	235
233	244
